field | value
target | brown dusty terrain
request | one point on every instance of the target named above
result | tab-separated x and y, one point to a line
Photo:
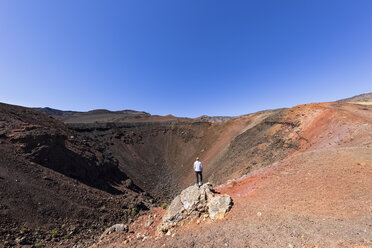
56	188
299	177
313	187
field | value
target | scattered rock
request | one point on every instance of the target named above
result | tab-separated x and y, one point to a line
128	183
231	183
3	207
149	221
362	164
22	241
114	228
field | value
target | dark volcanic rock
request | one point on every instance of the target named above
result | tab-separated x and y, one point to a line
55	112
94	116
55	183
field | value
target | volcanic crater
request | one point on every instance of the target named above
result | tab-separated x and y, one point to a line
66	176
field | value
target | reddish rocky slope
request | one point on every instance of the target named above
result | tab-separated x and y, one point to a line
314	191
303	165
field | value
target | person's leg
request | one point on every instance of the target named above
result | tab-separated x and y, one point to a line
201	178
197	178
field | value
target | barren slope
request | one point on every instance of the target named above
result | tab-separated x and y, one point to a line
317	194
55	186
158	154
363	99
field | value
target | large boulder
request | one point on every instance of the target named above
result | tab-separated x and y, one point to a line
192	203
219	206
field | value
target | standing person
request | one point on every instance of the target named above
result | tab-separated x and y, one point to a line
198	167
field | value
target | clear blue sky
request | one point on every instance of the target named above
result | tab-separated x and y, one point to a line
185	58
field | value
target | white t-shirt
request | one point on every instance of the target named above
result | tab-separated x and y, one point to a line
198	165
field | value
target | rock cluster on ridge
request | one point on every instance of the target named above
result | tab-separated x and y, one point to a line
114	228
192	203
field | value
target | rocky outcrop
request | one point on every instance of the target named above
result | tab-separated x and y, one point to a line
218	206
192	203
114	228
215	119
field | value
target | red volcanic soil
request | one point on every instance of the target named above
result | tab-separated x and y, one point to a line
314	193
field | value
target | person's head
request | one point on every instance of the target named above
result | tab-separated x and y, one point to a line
197	158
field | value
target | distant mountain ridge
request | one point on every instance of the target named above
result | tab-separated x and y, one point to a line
104	115
96	115
55	112
358	98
